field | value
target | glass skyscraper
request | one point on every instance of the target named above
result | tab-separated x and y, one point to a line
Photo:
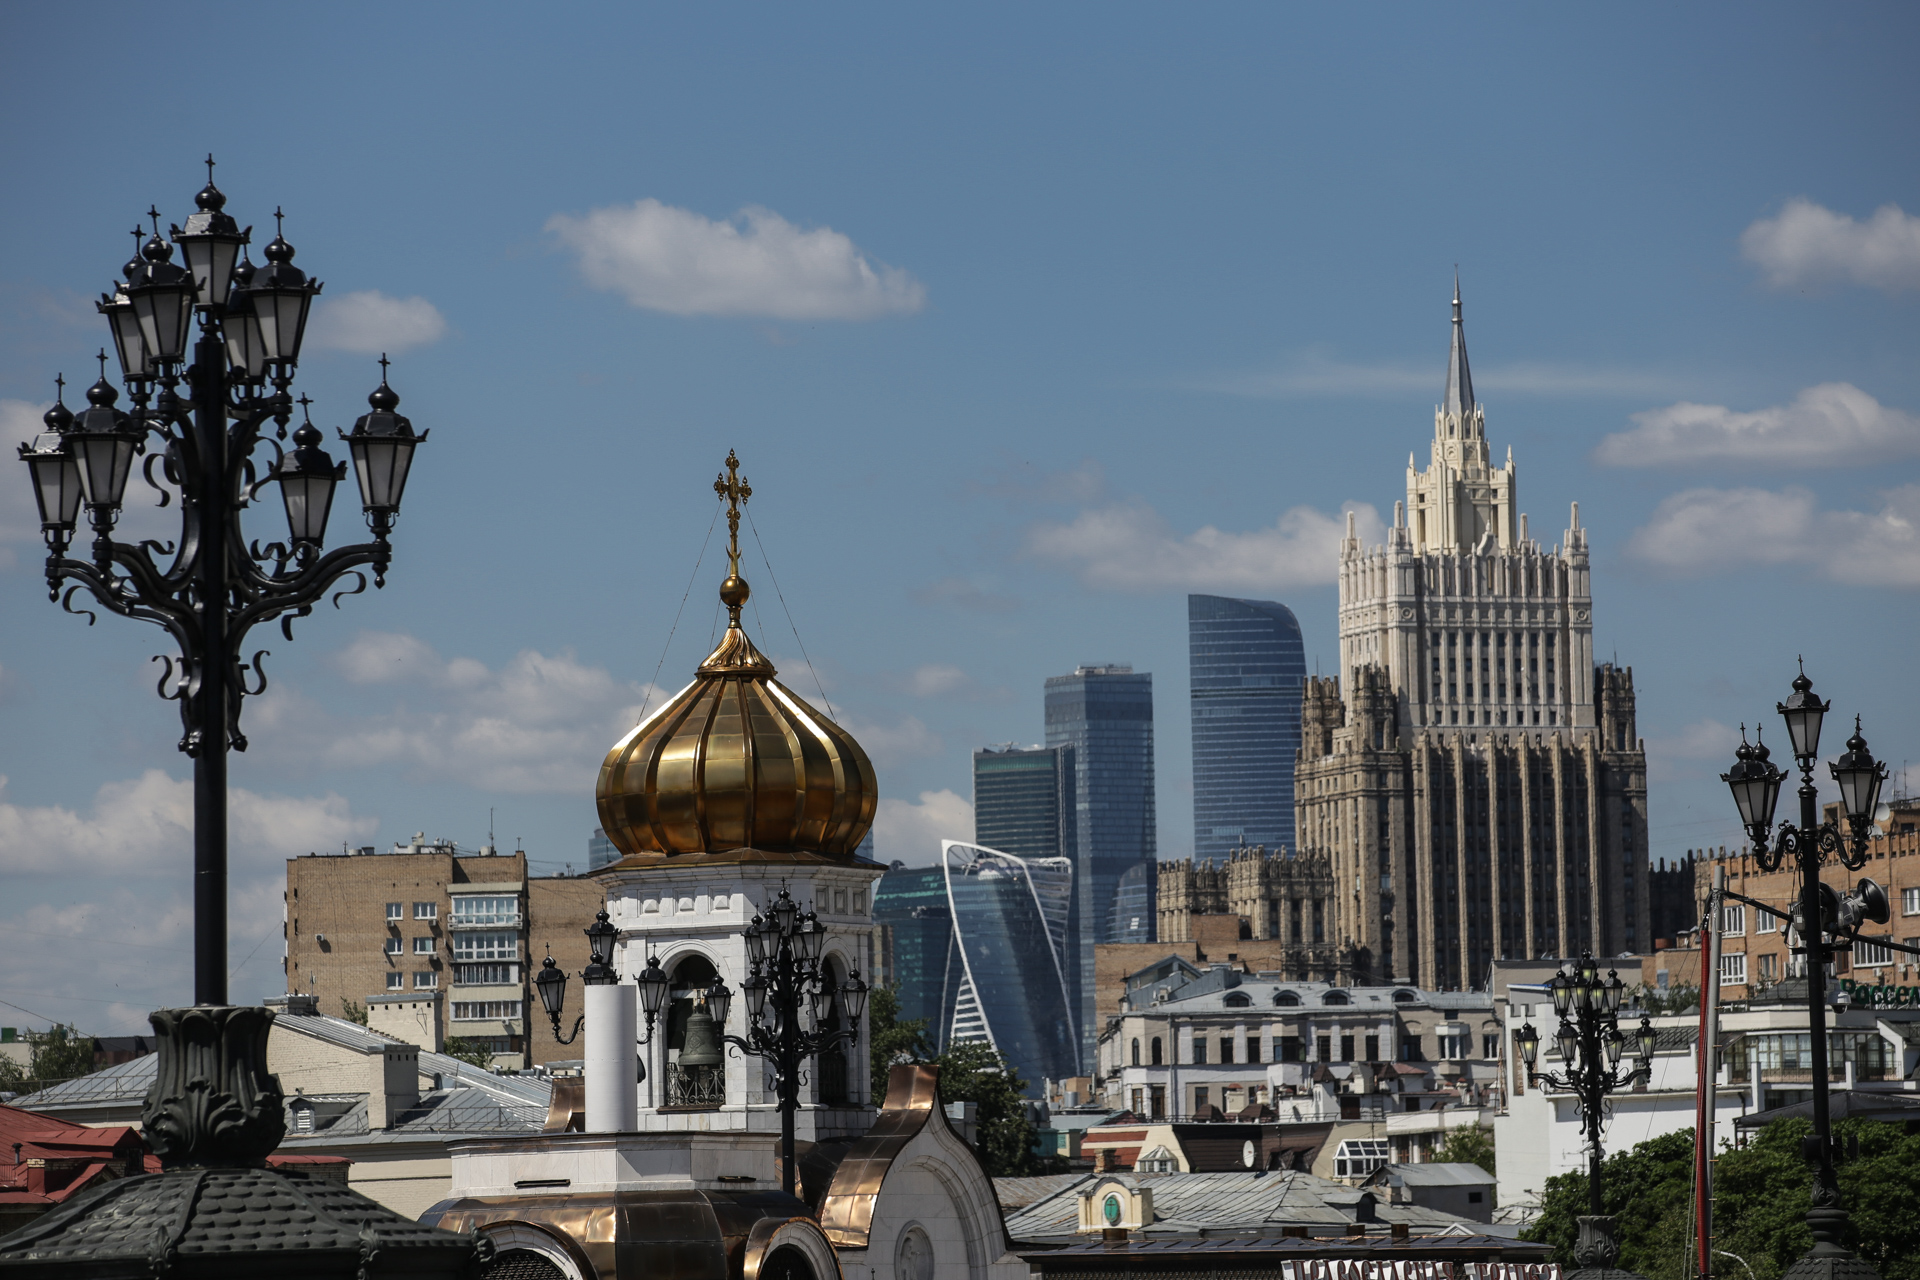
1247	669
1023	800
1010	925
915	927
1105	715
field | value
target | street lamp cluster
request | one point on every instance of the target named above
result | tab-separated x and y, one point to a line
1824	922
198	407
1590	1044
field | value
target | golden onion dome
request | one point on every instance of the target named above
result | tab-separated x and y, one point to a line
736	766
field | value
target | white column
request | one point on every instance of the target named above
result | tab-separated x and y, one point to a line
612	1098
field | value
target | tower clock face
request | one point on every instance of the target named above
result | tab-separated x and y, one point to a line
1111	1210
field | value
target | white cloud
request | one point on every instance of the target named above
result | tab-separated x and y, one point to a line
1128	546
889	743
1808	244
1712	530
935	680
371	323
1316	371
756	264
911	831
1679	756
142	824
538	723
1832	425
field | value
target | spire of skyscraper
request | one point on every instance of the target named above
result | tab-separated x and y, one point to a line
1459	397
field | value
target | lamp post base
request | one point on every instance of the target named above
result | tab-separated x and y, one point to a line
1596	1251
1829	1259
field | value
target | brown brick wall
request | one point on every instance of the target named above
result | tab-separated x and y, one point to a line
558	913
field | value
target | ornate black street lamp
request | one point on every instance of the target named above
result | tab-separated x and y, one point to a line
1590	1046
1755	782
551	981
787	987
198	408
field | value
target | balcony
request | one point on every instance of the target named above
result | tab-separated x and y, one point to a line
486	920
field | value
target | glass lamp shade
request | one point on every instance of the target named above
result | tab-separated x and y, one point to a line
163	303
1589	971
755	988
756	933
653	983
56	480
854	992
600	936
104	446
719	1001
1648	1038
1569	1041
1803	712
307	478
128	342
1562	990
1585	997
1859	776
1755	784
210	244
820	996
1527	1040
551	983
1614	1044
281	294
785	911
382	443
811	936
1613	990
246	350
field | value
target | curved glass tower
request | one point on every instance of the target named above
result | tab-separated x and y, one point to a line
1248	665
1010	920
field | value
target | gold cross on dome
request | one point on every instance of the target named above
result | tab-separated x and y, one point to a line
736	491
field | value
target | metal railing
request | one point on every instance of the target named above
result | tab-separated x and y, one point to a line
695	1088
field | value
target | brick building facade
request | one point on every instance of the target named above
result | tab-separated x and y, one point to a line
429	925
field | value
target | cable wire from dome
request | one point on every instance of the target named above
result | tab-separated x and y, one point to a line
691	579
790	623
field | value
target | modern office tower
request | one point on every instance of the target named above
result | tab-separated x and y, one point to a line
1010	928
1023	800
1470	771
1134	913
914	934
600	851
1105	714
1247	665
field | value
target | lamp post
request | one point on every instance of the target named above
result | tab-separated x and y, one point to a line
1590	1044
198	408
1755	783
787	985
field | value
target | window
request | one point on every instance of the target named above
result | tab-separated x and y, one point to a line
1765	921
1324	1046
480	1010
1358	1157
1346	1048
1285	998
1910	902
484	909
393	946
396	981
425	980
1373	1048
1199	1099
1769	969
483	974
1867	954
1156	1051
1238	999
1199	1051
303	1118
1253	1047
503	945
1136	1056
1411	1050
1490	1046
1290	1049
1733	920
393	911
423	946
1733	970
426	911
1456	1042
1336	997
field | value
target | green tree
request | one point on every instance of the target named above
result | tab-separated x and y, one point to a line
1671	1001
1647	1189
891	1039
469	1051
58	1053
976	1072
353	1012
1472	1145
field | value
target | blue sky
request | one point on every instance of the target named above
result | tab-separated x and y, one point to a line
1024	321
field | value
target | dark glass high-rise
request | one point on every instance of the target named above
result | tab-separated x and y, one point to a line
1247	665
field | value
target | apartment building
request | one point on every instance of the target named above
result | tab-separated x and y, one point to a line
427	924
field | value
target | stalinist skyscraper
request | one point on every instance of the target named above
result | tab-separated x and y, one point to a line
1473	777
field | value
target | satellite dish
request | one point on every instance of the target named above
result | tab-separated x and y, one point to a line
1246	1154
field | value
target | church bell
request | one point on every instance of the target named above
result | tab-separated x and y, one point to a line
701	1048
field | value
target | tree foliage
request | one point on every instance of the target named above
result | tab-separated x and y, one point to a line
59	1053
1760	1202
353	1012
890	1039
468	1050
1673	1000
1471	1145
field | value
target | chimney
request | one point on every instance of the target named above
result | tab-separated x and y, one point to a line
393	1085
